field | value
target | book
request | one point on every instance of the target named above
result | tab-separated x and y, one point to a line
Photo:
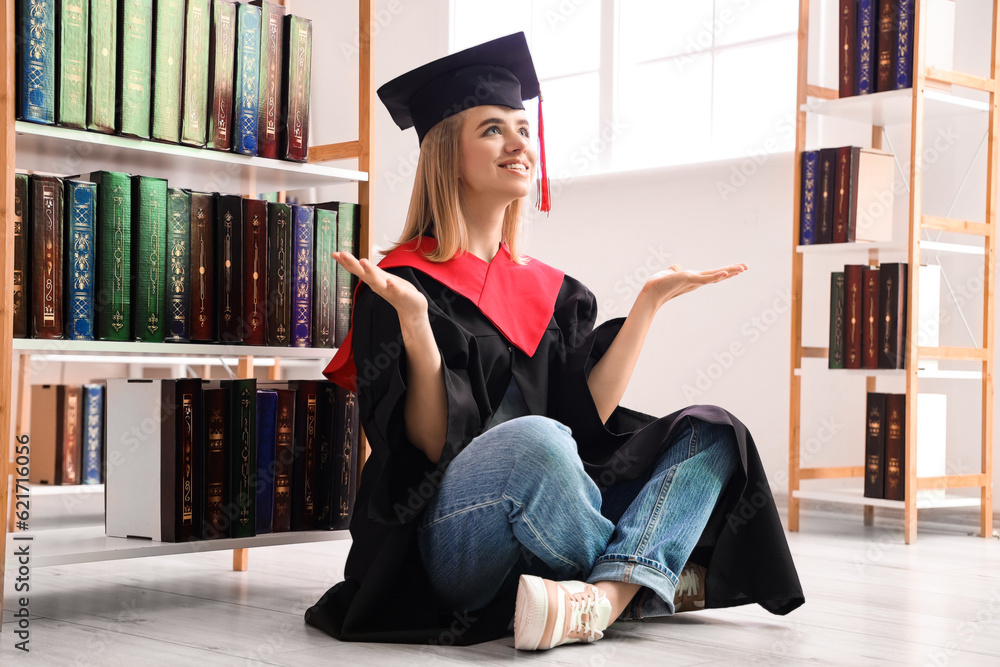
43	469
845	200
72	35
194	92
348	240
837	303
22	255
284	457
47	236
903	60
113	296
229	262
895	446
875	446
215	488
202	272
302	275
825	195
221	68
853	314
305	439
81	257
36	61
177	309
279	272
168	69
271	81
255	272
267	434
324	278
241	460
149	257
102	75
347	457
245	96
69	433
324	489
848	47
886	45
293	128
807	214
870	321
892	315
181	471
866	47
876	186
135	68
92	446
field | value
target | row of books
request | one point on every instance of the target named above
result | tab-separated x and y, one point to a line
111	256
847	195
885	444
868	309
192	459
67	434
209	73
876	40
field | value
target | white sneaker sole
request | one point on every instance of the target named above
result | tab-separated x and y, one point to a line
530	612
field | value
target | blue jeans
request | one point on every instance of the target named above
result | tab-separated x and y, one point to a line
517	501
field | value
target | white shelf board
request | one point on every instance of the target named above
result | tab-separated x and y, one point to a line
859	247
89	544
925	373
854	495
101	350
60	490
65	151
895	106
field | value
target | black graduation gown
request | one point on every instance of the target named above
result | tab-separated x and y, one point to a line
386	595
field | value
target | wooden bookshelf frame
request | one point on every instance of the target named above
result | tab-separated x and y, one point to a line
917	222
360	149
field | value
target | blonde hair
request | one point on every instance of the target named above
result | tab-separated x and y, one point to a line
435	207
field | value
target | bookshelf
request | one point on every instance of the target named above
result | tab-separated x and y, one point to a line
908	108
65	152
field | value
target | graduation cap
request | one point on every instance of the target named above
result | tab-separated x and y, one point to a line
499	72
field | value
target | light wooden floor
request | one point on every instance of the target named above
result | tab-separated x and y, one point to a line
870	600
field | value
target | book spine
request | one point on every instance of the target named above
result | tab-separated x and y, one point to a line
324	278
852	193
304	461
194	123
848	46
347	433
229	247
825	195
37	61
189	414
178	305
267	422
93	430
71	81
302	271
149	257
279	278
135	68
243	456
284	455
81	253
270	82
216	520
102	65
168	70
866	47
884	69
875	446
837	303
202	261
22	255
854	289
326	474
47	257
348	238
895	447
247	79
113	300
70	414
807	215
221	61
892	315
297	73
255	226
903	64
841	198
869	329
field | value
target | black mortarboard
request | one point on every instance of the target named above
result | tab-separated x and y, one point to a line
497	72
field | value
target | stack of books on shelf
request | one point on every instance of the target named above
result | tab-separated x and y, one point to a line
885	443
192	459
67	434
217	74
110	256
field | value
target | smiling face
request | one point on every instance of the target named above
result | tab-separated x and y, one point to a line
497	154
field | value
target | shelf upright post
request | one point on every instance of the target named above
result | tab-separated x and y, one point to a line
6	260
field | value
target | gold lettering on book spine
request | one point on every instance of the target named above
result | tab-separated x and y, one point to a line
82	254
72	420
216	426
221	112
311	421
51	265
256	316
245	444
227	267
346	452
273	58
187	469
118	283
153	297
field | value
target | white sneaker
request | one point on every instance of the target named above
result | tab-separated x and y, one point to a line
549	613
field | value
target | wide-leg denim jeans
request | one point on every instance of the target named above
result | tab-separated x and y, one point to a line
516	500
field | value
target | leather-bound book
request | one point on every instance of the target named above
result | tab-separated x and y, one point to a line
221	63
888	11
347	457
22	257
835	355
194	93
825	195
69	433
229	263
113	296
81	258
853	314
168	69
866	46
47	236
203	315
305	438
848	47
279	273
892	315
180	469
149	257
271	82
302	275
903	62
875	428
326	471
36	61
72	35
241	463
284	457
807	213
869	325
178	288
245	97
348	240
103	60
216	521
135	68
267	434
92	434
324	276
255	272
297	66
895	446
845	200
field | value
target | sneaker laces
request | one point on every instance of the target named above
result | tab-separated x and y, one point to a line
582	613
688	583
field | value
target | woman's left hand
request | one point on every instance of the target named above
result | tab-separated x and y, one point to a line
674	281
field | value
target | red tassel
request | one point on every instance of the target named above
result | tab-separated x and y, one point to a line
544	204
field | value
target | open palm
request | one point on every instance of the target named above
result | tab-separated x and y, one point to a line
674	281
401	294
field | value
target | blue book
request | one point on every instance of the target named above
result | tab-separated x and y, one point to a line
178	291
81	255
904	45
807	216
866	47
93	433
267	438
302	275
247	78
36	56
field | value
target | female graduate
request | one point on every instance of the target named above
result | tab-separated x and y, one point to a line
506	486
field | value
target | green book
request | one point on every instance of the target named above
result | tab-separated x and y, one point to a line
324	278
835	356
242	456
73	27
103	67
149	256
194	119
178	291
113	226
135	74
348	240
168	68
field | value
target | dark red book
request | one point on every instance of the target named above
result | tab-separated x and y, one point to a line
869	325
848	47
875	446
47	234
895	446
221	65
306	445
284	454
892	315
886	20
845	199
853	314
216	422
203	314
254	272
69	432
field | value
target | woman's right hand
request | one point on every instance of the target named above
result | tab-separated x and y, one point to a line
410	304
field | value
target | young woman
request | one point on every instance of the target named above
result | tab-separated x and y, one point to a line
506	486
